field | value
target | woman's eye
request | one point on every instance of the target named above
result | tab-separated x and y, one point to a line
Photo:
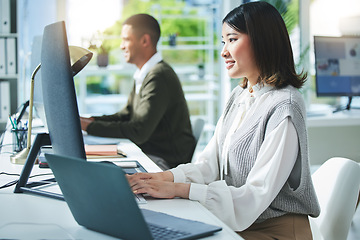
232	39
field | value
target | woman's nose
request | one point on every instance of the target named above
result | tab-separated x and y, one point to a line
224	52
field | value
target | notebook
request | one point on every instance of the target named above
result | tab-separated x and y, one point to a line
100	199
104	151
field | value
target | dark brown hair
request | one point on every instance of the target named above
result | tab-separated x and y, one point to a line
270	42
145	24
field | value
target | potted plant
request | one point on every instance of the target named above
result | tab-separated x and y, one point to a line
102	47
102	58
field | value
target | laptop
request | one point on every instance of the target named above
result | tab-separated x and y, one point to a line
100	199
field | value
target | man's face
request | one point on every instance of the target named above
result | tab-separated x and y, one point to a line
131	45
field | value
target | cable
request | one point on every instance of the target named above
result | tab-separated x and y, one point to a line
6	152
7	144
10	174
24	106
9	184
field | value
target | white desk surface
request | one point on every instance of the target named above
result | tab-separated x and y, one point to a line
338	119
26	216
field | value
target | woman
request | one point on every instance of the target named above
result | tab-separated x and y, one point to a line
254	173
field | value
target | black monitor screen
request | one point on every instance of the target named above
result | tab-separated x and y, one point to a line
337	61
59	97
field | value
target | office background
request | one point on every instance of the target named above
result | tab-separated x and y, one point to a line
191	43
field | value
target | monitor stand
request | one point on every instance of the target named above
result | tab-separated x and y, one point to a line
348	106
22	186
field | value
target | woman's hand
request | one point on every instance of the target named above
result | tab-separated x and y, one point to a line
162	176
158	185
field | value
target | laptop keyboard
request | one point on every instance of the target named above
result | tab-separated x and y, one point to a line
164	233
140	198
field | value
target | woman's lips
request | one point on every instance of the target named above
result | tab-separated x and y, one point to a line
229	64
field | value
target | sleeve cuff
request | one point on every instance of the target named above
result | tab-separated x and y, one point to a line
179	175
198	192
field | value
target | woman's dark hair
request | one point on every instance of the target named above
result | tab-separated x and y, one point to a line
145	24
270	42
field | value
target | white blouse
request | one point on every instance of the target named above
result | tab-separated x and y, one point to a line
240	207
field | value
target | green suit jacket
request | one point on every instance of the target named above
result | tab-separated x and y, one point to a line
156	119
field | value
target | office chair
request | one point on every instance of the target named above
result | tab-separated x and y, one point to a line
336	183
197	128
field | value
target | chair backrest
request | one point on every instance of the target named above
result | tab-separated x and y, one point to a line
336	183
197	127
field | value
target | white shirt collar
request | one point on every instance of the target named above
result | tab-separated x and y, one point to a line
259	89
140	74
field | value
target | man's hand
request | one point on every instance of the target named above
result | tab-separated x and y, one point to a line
85	122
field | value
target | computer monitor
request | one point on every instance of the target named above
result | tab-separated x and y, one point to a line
337	61
58	92
61	110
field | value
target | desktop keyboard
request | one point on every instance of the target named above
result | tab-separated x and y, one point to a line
165	233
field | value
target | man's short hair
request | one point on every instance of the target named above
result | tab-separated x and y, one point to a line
145	24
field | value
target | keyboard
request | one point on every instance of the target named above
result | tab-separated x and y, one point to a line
165	233
140	198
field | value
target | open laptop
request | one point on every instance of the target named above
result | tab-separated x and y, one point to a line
100	199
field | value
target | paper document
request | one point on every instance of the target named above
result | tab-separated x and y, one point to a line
103	151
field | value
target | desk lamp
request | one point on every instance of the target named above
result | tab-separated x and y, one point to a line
79	57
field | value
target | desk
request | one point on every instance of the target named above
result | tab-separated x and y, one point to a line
334	135
25	216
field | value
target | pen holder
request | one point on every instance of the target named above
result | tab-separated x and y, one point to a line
19	139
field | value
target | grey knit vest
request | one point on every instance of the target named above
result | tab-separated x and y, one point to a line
298	194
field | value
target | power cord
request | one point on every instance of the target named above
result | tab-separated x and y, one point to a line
2	145
9	184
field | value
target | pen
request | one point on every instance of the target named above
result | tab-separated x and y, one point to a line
15	123
121	153
12	123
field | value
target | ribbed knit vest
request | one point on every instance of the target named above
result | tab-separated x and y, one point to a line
298	194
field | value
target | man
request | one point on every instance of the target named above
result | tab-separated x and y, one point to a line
156	116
